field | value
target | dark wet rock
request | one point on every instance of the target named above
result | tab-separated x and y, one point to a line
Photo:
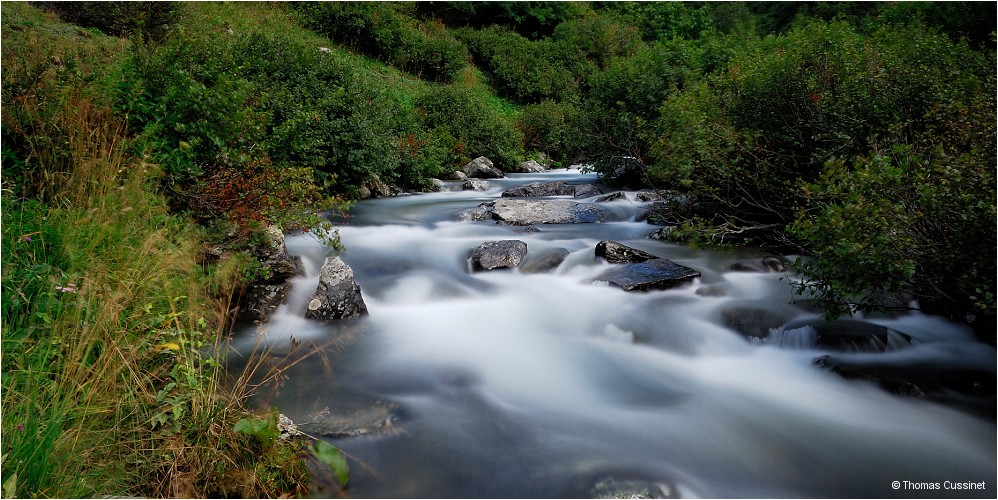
752	321
538	189
262	296
337	296
544	261
498	255
967	389
476	185
482	168
260	301
617	195
617	253
586	191
612	487
845	335
654	274
763	265
456	175
519	212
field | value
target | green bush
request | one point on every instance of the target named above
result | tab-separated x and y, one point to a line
904	225
550	127
151	19
386	31
821	92
523	70
624	102
463	116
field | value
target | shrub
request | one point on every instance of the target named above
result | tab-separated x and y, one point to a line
477	128
549	127
901	224
385	31
525	71
624	102
822	92
150	19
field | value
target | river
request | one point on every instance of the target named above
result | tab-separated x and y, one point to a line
508	384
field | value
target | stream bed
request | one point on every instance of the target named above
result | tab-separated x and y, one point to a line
514	384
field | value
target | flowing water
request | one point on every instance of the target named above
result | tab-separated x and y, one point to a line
512	384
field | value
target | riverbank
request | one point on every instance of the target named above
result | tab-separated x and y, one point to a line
106	309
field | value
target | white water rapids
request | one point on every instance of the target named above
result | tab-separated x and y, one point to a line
510	384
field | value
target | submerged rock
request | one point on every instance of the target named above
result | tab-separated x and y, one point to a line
842	335
968	389
498	255
654	274
544	261
755	321
763	265
617	253
612	487
337	296
380	417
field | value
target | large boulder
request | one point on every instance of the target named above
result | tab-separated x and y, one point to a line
518	212
262	296
337	296
374	187
617	253
538	189
482	168
530	167
654	274
554	188
498	255
586	191
274	257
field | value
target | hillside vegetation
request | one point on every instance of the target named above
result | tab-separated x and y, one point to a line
860	135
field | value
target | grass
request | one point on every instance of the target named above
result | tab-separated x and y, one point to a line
105	309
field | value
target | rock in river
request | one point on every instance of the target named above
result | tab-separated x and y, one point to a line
526	212
482	168
654	274
337	296
618	253
498	255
